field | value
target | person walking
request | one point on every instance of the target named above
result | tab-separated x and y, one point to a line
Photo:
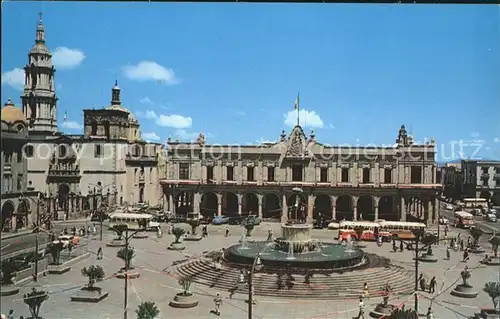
432	285
401	248
99	253
466	255
270	235
361	314
422	282
217	303
365	290
227	231
446	230
430	314
448	253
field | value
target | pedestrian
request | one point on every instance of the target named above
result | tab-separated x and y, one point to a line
466	255
432	285
422	283
218	304
170	228
227	231
401	245
269	235
65	230
361	313
446	230
461	245
365	290
11	314
430	314
447	253
99	253
94	229
89	230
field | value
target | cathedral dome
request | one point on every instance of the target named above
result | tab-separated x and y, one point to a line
11	113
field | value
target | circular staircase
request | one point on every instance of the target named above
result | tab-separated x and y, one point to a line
275	282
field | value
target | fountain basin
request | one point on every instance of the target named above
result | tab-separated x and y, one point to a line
329	256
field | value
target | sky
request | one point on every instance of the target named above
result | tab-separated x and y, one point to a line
233	70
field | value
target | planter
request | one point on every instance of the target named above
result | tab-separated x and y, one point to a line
8	290
382	311
176	246
495	261
58	269
182	300
477	250
428	258
488	314
193	237
141	235
464	291
89	295
132	274
116	243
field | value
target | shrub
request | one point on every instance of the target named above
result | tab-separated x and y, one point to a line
95	273
147	310
119	230
178	233
9	267
126	255
185	283
493	290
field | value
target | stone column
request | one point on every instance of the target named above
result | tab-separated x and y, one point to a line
402	210
436	208
355	207
310	208
376	201
240	203
260	197
284	212
171	203
219	204
197	202
14	223
430	211
334	207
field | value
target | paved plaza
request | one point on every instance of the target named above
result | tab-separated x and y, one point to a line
158	283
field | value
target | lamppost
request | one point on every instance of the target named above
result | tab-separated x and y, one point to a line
256	266
128	237
22	197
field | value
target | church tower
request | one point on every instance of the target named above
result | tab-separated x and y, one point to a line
39	98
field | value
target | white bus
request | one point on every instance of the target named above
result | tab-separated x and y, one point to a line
471	203
464	219
403	230
133	221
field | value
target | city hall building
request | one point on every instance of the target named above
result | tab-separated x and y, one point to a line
340	182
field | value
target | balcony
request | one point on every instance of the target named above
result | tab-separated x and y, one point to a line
366	185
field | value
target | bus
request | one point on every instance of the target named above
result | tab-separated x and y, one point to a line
133	221
463	219
370	229
474	203
403	230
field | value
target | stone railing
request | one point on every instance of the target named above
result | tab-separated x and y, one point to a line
27	274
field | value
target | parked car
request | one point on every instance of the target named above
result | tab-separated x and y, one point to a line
491	218
236	220
220	220
443	221
253	219
334	225
449	207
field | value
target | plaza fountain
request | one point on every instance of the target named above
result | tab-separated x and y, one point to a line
295	249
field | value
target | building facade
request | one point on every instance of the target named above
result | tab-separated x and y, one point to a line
17	195
108	163
342	182
481	179
452	181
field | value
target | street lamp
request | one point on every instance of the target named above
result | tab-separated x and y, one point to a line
256	266
128	237
22	197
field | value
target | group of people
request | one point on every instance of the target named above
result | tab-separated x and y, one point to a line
10	315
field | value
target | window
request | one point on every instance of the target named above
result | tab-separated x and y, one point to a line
297	173
323	175
151	175
270	174
19	182
366	175
388	176
416	175
28	150
345	175
19	157
230	173
183	171
98	151
62	151
250	171
106	129
210	174
93	128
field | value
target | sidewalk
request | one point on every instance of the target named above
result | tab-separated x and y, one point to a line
24	232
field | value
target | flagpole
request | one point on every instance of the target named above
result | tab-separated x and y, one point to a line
298	109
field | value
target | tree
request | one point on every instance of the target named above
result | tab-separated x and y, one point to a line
194	223
9	267
55	251
185	282
119	230
95	273
493	290
476	233
34	300
495	243
403	314
126	256
178	233
386	291
428	239
147	310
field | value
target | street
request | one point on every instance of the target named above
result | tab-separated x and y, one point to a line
483	224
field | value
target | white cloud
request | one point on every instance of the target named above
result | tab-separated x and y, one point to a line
475	134
331	126
496	140
146	100
150	71
14	78
307	119
173	120
185	135
152	136
66	58
71	125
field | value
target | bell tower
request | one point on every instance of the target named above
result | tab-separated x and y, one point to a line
39	97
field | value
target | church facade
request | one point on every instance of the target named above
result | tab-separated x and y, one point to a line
341	182
108	163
